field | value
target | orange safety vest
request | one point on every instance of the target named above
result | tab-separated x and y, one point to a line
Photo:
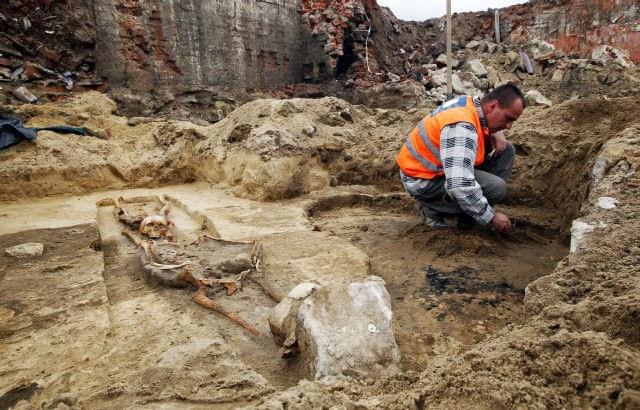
420	154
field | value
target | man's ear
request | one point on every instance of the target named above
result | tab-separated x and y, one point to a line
493	105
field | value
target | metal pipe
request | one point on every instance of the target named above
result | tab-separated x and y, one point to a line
497	24
449	68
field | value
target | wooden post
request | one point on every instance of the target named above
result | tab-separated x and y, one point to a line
497	24
449	81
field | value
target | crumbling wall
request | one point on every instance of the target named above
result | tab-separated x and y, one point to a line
190	44
579	25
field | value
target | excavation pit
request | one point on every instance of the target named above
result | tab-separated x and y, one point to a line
450	289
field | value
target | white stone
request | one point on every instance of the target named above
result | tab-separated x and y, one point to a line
442	60
599	170
341	329
541	50
303	290
534	97
578	231
282	320
603	54
310	130
25	250
607	202
473	44
558	75
491	47
477	68
492	76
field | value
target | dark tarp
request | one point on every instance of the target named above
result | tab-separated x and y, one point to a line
12	131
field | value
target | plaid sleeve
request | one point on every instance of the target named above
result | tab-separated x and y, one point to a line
458	148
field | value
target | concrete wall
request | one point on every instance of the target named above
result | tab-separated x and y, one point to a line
193	44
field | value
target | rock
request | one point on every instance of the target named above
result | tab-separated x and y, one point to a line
5	73
534	97
599	170
28	249
481	84
472	45
541	50
493	78
518	36
310	130
63	401
491	47
558	75
393	78
134	121
607	202
282	320
477	68
24	95
578	231
513	61
456	85
610	75
339	329
442	61
403	96
605	54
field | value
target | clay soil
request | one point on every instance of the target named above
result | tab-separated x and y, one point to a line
482	320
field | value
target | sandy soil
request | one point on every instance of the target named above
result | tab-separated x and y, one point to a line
481	320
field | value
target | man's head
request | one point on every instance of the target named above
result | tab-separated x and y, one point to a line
502	107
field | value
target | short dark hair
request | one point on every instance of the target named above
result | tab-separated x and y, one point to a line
506	94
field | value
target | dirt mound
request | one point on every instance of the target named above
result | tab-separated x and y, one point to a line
557	148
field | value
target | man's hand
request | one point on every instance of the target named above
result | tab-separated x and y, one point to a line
499	141
500	223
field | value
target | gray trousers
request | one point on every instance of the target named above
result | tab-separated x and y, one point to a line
492	176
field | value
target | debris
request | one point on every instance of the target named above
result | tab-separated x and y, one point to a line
29	249
514	60
600	168
607	202
605	54
24	95
610	75
534	97
442	61
477	68
310	130
558	75
472	45
67	78
578	231
282	320
526	62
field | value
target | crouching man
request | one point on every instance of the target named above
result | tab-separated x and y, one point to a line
457	162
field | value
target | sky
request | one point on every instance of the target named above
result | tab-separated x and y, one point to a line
426	9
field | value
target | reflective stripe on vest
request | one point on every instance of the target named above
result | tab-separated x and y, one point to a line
420	155
422	132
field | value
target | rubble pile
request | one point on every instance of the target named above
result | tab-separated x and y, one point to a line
346	26
46	50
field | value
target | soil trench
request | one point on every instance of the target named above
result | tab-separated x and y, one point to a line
450	289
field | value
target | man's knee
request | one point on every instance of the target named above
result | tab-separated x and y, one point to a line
494	189
510	151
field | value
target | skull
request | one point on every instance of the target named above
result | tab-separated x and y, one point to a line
155	226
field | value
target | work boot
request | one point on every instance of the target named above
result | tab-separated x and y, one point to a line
465	222
431	218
